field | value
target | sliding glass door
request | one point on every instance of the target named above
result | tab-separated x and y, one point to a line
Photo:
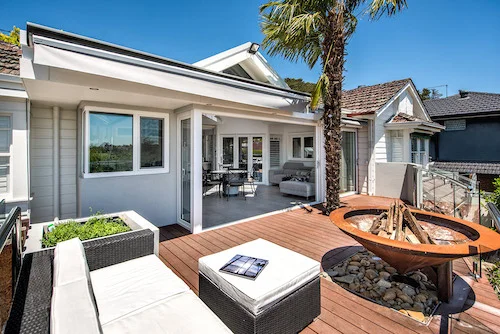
186	170
348	162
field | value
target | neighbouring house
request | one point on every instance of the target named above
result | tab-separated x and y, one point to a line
470	143
113	129
14	115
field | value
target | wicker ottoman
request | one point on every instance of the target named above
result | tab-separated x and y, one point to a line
284	298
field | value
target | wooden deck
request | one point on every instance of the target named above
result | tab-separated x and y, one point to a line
313	235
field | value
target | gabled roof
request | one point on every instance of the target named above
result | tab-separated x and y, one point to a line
369	99
474	104
401	120
9	58
238	59
492	168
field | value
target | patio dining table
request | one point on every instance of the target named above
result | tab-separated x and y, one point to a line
228	191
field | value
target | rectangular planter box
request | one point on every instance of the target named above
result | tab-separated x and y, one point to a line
131	218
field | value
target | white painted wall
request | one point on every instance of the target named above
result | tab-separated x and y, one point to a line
42	164
382	137
18	192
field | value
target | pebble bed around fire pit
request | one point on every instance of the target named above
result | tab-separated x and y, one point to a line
369	276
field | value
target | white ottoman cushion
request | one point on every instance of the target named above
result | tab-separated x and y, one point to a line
183	313
286	272
132	285
70	263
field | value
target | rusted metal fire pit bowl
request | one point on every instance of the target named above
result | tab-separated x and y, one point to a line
465	238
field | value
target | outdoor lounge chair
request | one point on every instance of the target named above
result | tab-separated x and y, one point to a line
110	285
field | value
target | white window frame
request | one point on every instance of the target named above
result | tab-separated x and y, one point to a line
136	141
301	136
425	149
8	154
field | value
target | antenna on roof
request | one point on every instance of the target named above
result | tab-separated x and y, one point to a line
441	86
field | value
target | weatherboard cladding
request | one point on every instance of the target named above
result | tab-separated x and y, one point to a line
9	58
475	103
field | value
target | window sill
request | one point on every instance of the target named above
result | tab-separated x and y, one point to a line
121	174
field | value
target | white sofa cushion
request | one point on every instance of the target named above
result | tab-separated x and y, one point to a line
70	263
128	286
285	273
73	309
182	313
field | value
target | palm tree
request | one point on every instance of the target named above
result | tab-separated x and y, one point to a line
319	29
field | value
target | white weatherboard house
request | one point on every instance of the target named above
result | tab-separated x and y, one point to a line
114	129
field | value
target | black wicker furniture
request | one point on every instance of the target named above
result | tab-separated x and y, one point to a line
131	289
284	298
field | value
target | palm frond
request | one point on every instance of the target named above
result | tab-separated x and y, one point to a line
379	8
320	90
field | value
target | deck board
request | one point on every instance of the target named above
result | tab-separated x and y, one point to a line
313	235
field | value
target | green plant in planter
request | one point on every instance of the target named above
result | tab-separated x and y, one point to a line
494	277
95	227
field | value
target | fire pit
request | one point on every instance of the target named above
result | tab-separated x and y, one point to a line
450	238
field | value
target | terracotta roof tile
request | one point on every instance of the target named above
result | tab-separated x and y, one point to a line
9	58
369	99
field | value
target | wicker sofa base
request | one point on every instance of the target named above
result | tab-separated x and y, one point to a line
290	315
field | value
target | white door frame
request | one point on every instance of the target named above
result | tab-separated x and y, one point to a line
356	158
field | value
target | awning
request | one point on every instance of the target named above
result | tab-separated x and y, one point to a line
78	58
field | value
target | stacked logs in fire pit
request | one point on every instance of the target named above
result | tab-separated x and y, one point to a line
399	224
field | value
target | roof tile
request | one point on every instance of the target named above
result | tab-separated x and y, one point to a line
474	103
9	58
369	99
492	168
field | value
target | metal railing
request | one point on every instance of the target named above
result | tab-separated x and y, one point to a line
448	193
11	241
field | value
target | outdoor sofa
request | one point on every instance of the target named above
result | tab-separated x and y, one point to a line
289	169
110	285
294	179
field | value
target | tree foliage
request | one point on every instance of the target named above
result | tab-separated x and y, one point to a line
12	37
318	30
429	94
300	85
494	197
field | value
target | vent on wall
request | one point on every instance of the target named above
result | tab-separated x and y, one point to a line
274	151
455	125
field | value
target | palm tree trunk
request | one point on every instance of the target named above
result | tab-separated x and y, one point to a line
333	60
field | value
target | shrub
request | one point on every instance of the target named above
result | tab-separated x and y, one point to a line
494	277
494	197
95	227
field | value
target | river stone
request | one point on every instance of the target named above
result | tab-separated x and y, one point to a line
355	263
379	266
420	298
416	277
365	263
360	275
345	279
371	274
384	283
409	290
405	298
355	257
390	270
340	271
352	268
354	287
385	275
405	306
389	295
418	307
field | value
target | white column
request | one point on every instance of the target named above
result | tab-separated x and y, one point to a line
55	160
320	163
196	172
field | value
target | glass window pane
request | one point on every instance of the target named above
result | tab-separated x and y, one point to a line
151	142
296	147
308	147
414	147
227	150
243	153
110	143
4	141
4	122
257	158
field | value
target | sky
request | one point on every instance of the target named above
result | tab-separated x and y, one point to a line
435	42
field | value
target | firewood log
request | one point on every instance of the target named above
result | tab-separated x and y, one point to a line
415	227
